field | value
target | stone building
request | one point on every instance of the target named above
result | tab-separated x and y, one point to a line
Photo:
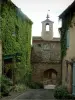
67	32
45	56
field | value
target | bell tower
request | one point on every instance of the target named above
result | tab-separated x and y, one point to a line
47	29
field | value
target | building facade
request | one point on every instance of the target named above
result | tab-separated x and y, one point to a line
45	56
67	32
16	41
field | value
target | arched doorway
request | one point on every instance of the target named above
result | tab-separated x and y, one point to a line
9	73
50	76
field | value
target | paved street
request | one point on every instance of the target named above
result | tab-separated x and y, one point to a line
36	94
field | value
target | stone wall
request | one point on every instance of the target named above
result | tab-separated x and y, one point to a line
43	51
45	56
39	68
69	78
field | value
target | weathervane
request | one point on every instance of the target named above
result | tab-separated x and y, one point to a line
47	14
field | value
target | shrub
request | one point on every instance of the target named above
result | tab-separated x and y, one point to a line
60	92
70	96
27	81
20	88
6	85
35	85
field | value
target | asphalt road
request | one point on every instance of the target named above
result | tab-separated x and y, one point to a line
36	94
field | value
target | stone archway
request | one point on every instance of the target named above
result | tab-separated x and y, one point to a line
50	77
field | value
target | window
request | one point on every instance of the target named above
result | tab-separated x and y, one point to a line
13	34
47	27
39	45
16	32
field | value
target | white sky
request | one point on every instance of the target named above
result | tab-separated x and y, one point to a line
37	10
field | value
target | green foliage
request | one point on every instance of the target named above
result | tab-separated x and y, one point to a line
27	80
6	86
66	23
35	85
60	92
71	97
16	37
20	88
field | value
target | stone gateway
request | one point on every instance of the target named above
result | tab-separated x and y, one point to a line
45	56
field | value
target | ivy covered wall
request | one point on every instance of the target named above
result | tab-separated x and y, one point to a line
16	36
66	23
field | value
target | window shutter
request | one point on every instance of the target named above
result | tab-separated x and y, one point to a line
68	38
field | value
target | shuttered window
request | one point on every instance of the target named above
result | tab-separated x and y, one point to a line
68	38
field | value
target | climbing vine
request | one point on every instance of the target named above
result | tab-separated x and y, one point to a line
66	23
16	36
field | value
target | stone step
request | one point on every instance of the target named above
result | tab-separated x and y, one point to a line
49	86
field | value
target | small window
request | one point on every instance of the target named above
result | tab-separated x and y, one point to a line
47	27
16	32
13	34
39	45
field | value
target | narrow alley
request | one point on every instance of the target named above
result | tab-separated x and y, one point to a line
36	94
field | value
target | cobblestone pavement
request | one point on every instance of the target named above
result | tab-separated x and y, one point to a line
37	94
32	94
11	96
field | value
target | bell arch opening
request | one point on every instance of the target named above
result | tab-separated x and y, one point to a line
47	26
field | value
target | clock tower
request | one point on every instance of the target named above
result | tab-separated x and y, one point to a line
47	29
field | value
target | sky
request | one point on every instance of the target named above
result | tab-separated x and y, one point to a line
37	11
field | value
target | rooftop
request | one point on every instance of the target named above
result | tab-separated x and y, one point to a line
18	10
47	19
40	38
70	8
